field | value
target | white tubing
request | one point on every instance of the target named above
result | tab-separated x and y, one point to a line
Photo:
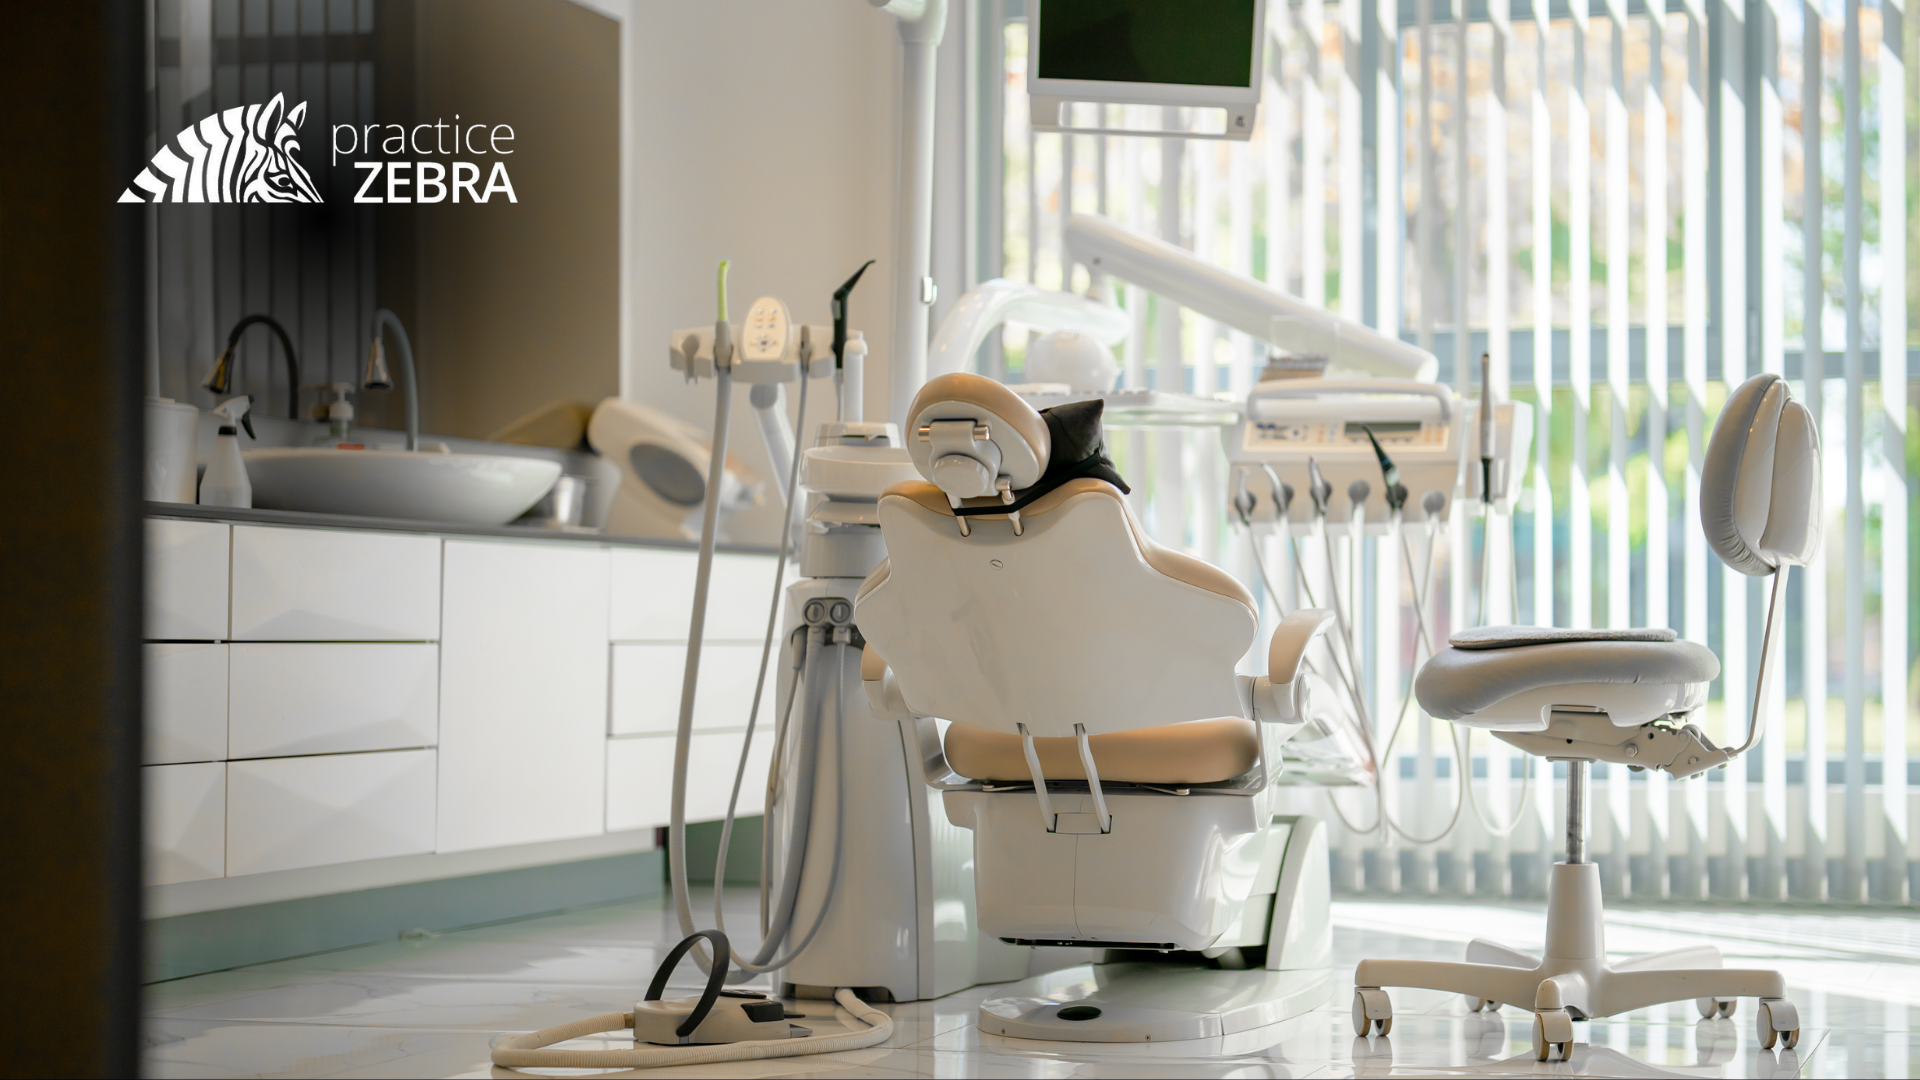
532	1051
690	678
788	491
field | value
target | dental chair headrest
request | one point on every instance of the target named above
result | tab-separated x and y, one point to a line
968	434
1760	497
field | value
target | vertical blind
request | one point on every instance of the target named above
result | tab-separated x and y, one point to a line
1632	210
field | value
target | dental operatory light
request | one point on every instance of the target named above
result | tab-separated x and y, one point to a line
220	379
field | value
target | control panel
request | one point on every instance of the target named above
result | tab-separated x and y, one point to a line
1277	434
764	336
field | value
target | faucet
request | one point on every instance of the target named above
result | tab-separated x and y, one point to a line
378	378
220	379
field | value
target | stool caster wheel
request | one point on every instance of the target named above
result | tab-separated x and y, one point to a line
1777	1021
1372	1012
1552	1035
1712	1007
1478	1004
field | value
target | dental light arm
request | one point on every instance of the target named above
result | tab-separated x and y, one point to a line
991	303
1247	305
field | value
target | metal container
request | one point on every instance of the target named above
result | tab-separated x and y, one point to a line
562	507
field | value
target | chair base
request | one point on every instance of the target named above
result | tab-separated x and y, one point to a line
1572	979
1154	1003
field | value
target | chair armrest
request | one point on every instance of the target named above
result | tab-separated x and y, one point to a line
1288	647
884	699
1280	697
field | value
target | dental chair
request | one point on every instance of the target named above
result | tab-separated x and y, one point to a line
1115	771
1624	697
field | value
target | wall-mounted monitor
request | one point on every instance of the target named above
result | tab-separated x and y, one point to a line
1197	54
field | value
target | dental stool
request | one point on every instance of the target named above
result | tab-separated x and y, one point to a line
1114	769
1624	697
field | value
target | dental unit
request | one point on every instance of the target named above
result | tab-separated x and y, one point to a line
986	669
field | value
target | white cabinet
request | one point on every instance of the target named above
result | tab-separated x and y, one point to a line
186	820
334	585
653	595
286	813
647	678
640	778
651	591
186	580
523	702
186	716
334	697
738	598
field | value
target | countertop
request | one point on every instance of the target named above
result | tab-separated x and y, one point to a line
303	519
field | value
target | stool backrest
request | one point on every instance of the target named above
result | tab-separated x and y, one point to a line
1760	494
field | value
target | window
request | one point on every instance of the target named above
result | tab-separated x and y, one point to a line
1617	209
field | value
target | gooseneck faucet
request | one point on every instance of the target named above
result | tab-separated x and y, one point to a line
378	378
220	379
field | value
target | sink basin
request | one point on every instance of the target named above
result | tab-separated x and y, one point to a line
463	489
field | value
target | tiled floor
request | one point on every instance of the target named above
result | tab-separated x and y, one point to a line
430	1007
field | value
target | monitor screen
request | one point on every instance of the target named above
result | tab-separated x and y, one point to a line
1180	42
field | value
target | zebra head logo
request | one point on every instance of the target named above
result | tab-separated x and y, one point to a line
243	155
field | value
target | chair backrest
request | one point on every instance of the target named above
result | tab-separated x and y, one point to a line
1076	618
1760	485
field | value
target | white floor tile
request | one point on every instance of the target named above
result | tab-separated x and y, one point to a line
432	1007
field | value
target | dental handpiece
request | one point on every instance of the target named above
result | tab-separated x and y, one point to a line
1395	491
1486	429
1318	488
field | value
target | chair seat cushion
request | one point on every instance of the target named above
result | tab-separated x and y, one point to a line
1195	752
1464	680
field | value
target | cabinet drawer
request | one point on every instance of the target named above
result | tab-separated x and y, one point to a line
186	580
186	703
640	778
314	698
334	585
186	821
653	595
646	687
312	811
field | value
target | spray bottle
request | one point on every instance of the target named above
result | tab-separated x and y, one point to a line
225	482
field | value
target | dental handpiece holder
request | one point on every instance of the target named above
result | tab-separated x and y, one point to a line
767	347
1341	427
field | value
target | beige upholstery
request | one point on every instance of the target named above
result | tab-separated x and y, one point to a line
1196	752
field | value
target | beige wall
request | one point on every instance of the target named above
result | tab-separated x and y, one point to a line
762	132
518	303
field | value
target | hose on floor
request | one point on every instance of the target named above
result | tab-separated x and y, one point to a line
534	1051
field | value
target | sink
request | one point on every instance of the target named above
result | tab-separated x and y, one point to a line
463	489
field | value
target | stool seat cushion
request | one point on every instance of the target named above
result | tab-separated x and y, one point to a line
1195	752
1471	677
1507	637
